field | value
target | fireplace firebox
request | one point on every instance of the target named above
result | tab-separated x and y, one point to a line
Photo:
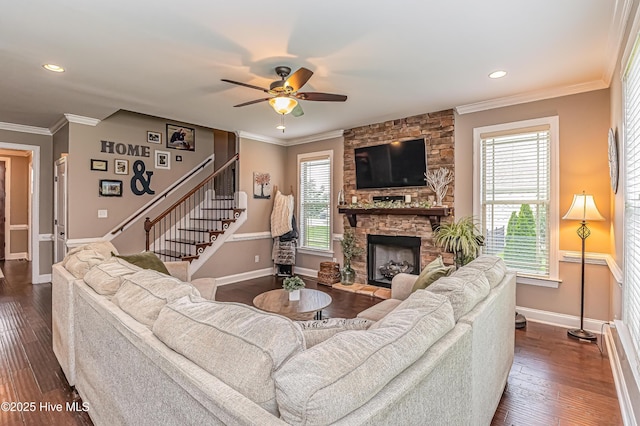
387	256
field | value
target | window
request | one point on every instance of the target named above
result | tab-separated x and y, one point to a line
631	289
314	182
515	196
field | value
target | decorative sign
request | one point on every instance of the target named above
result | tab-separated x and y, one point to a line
139	173
109	147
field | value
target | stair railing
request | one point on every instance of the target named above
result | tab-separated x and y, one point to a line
184	230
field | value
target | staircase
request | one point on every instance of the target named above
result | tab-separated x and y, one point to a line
195	226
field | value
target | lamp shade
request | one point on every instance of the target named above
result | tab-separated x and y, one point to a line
584	208
283	104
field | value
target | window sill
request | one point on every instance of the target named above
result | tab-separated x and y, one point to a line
538	281
315	252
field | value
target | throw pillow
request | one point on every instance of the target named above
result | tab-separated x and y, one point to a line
432	272
145	260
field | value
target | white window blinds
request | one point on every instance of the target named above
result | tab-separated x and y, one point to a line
631	297
315	201
515	196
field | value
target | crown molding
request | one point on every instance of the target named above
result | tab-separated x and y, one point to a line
537	95
617	27
25	129
315	138
58	125
261	138
79	119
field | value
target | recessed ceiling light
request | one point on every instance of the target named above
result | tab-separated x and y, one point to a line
497	74
53	67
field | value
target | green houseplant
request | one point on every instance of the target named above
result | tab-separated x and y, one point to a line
293	286
349	251
462	238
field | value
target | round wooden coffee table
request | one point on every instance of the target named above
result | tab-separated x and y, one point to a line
310	305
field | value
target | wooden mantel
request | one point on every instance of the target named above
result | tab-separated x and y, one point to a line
433	214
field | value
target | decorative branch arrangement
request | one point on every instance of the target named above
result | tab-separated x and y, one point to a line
438	181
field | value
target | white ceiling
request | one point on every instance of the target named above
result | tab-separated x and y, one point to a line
392	59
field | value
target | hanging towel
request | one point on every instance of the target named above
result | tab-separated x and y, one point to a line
282	214
284	252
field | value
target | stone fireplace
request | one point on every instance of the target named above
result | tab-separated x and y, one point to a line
438	131
388	256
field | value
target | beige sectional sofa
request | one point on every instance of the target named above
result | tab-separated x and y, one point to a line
162	354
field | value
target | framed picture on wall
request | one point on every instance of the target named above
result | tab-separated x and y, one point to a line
163	160
99	165
121	167
181	137
154	137
261	185
110	188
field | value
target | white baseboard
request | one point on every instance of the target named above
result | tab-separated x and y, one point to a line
230	279
16	256
42	279
622	389
305	271
560	320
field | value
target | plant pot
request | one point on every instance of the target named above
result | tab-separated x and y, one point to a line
347	275
294	295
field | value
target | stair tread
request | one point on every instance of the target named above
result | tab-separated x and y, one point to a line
214	220
223	208
201	230
176	254
186	241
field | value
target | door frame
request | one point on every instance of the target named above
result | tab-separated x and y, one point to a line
59	161
7	206
34	214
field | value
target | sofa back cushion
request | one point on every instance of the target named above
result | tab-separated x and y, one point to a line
238	344
79	260
328	381
106	278
143	294
493	268
464	289
317	331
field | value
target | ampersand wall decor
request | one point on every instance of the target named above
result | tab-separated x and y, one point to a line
139	177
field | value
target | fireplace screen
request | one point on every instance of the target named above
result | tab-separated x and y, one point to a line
387	256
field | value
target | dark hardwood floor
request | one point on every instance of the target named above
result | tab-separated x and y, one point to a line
554	380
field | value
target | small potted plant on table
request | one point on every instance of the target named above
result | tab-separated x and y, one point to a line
293	286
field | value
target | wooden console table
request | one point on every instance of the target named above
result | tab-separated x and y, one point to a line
433	214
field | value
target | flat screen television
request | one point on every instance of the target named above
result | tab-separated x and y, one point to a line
391	165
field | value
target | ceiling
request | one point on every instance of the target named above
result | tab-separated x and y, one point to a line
166	58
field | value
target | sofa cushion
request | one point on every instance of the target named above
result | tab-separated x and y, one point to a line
238	344
106	278
317	331
493	268
379	310
465	289
143	294
324	383
145	260
79	260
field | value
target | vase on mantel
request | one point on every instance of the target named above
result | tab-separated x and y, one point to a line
294	295
347	275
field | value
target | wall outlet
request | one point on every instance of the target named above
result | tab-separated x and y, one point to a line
257	258
335	260
102	214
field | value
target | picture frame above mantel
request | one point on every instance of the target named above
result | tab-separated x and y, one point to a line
434	214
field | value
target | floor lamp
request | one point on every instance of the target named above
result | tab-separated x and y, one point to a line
583	209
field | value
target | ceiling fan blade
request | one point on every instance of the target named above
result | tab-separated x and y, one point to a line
298	79
297	111
317	96
251	102
251	86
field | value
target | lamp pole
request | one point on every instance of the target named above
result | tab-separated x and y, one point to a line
583	232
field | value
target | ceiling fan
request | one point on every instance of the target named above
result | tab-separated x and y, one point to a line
285	95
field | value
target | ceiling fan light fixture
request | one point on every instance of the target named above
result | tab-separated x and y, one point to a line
53	67
498	74
283	104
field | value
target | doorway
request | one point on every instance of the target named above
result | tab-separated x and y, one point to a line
60	210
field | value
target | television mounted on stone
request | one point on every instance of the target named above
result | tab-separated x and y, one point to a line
391	165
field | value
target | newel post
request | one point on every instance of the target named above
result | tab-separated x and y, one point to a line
147	228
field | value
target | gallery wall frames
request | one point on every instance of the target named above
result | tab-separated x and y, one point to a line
99	165
110	188
181	137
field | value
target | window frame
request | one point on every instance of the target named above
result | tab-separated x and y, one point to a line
553	279
310	156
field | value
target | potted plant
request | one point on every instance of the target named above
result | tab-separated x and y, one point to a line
349	251
293	286
462	238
